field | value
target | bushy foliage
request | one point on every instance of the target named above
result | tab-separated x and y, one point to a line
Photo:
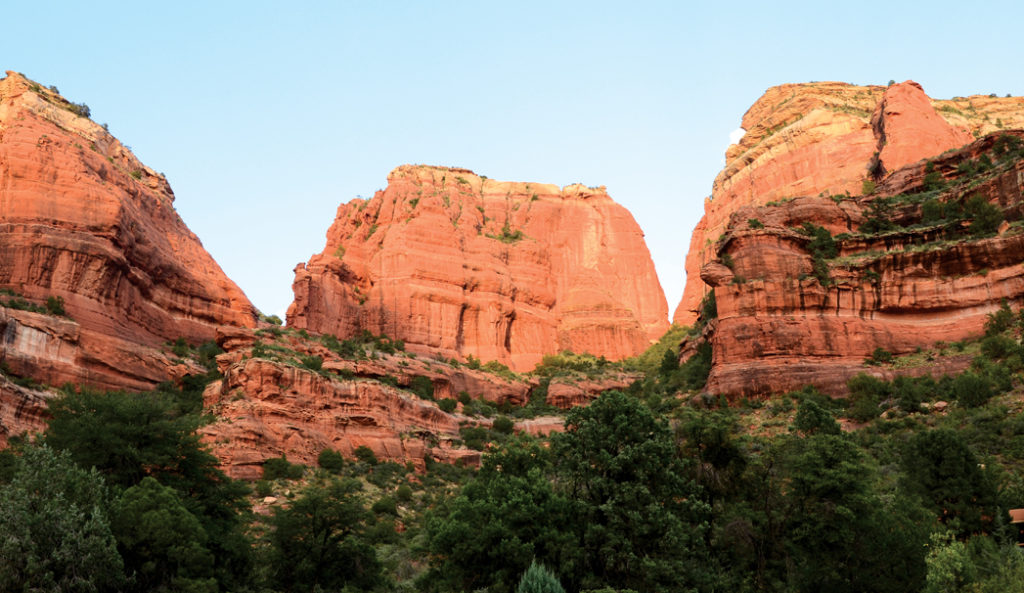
54	527
945	474
330	460
279	468
317	541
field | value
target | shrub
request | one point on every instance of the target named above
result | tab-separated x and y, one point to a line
971	390
464	398
423	387
985	217
755	223
879	356
404	493
331	460
312	362
55	306
264	488
447	405
867	187
366	455
475	437
814	419
385	505
79	109
503	424
866	393
280	468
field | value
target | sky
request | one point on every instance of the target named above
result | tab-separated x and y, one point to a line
265	116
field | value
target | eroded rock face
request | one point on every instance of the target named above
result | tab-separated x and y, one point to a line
82	219
456	265
272	407
267	409
822	138
22	410
779	327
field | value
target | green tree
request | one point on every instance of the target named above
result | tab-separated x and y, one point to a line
318	541
508	514
639	519
814	419
944	473
54	529
163	544
538	579
130	436
841	537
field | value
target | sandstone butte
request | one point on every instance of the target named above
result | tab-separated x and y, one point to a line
82	219
459	265
827	138
912	290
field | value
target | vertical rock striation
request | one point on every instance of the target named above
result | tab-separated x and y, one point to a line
459	265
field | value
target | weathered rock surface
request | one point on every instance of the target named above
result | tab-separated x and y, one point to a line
569	392
822	138
22	409
779	327
268	407
82	219
459	265
908	128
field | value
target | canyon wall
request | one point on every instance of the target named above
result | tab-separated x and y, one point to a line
915	269
828	138
457	265
88	227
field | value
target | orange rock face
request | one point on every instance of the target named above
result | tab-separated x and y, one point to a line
268	408
82	219
456	265
779	327
21	410
909	129
821	138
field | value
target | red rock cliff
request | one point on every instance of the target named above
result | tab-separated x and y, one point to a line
809	139
457	264
82	219
782	323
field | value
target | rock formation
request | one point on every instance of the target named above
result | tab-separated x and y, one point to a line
917	263
829	138
83	221
274	404
459	265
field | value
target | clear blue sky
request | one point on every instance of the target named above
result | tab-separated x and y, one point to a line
265	118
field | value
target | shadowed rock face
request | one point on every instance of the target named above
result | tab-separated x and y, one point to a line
809	139
457	265
82	219
779	327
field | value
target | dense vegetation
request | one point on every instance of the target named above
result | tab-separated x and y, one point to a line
655	488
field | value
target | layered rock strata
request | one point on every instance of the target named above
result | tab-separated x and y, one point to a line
82	220
784	322
829	138
270	403
459	265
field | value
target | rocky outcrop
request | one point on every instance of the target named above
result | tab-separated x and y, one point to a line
273	401
784	322
22	410
459	265
569	392
267	409
828	138
81	219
